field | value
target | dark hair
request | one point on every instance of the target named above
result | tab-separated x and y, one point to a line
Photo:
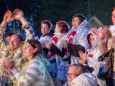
113	9
84	68
80	47
88	36
35	44
80	16
64	26
19	37
47	22
8	34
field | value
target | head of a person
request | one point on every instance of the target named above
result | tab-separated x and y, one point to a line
46	25
81	50
61	27
8	36
15	41
90	38
113	15
74	71
77	19
32	48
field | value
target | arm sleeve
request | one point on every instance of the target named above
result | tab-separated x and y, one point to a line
57	51
29	31
73	49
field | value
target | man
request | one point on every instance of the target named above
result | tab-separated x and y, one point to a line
76	71
46	35
13	51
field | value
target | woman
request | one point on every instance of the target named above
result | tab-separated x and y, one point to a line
33	73
60	30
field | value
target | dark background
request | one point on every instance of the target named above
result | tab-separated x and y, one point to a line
54	10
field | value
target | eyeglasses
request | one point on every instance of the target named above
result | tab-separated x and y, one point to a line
72	75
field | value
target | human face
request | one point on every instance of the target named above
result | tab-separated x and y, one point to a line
28	51
113	16
14	42
73	72
57	29
44	28
75	22
91	39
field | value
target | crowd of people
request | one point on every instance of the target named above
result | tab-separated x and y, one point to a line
71	56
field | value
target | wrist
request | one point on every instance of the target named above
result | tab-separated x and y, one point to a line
23	21
3	24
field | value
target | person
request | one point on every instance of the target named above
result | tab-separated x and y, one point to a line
106	46
46	26
8	36
77	35
61	29
90	56
13	49
33	73
75	72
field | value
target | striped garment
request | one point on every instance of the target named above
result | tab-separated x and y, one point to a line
16	55
33	73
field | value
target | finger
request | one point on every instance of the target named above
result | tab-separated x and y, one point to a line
12	19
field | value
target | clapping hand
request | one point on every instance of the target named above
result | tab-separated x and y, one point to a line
17	14
8	65
7	16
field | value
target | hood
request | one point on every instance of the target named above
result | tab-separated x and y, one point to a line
85	24
95	40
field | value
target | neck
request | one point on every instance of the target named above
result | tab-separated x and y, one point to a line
31	57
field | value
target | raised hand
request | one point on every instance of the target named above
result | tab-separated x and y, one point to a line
93	30
17	14
8	64
7	16
105	31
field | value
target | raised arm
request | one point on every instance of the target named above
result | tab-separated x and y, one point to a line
19	15
6	19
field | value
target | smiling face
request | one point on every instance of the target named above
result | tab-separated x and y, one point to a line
14	42
28	51
73	72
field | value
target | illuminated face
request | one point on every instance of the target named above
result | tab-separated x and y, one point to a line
28	51
57	29
91	39
113	16
73	72
14	42
44	28
75	22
